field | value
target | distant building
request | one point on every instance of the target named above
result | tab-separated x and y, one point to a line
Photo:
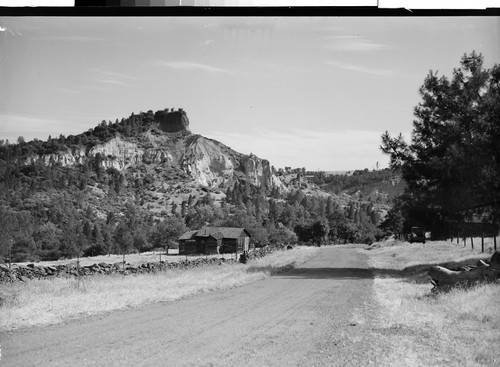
214	240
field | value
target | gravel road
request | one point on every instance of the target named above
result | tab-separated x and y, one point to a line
318	314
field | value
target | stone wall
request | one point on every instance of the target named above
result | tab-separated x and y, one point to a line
32	271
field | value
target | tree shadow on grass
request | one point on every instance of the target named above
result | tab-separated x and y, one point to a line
416	273
328	273
347	273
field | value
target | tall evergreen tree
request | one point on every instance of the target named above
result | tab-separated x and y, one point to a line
452	164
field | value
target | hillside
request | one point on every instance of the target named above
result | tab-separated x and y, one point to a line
154	158
380	186
138	183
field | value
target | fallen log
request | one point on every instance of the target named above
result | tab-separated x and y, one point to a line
443	278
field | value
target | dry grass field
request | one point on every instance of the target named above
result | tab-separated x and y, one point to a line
42	302
400	255
456	328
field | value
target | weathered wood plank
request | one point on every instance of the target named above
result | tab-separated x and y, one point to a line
442	277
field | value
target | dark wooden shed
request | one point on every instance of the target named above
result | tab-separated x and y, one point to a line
214	240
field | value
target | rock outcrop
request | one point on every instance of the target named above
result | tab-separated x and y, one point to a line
67	157
174	122
206	162
169	143
259	172
117	153
213	164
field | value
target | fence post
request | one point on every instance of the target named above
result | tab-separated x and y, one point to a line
471	242
78	268
482	242
495	241
10	256
465	241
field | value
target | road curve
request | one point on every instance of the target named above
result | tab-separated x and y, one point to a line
314	315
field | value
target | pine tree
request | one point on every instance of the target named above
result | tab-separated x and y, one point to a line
174	208
452	165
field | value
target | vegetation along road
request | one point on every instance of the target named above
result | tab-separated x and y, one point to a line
320	313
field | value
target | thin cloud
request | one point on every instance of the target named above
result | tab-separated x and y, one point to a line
337	149
111	81
360	69
112	74
190	66
112	77
72	38
69	91
98	88
354	44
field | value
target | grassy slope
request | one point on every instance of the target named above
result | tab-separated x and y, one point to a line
458	328
43	302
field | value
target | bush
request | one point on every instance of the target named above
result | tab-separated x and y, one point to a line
94	250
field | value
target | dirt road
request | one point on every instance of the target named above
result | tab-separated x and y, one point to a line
315	315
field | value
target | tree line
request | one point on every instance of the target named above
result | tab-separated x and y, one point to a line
52	212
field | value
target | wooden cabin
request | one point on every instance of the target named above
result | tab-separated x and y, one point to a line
214	240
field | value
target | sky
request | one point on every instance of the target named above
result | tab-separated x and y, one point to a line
313	92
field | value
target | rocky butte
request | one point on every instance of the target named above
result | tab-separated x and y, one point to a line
165	149
173	121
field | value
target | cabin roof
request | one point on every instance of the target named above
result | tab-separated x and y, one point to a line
188	235
215	232
224	232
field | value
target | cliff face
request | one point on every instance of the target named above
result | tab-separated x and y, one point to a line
204	161
213	164
208	162
117	153
258	171
173	122
68	157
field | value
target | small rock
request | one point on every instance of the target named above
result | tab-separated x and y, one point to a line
23	278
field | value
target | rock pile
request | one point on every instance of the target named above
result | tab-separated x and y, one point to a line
32	271
263	251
